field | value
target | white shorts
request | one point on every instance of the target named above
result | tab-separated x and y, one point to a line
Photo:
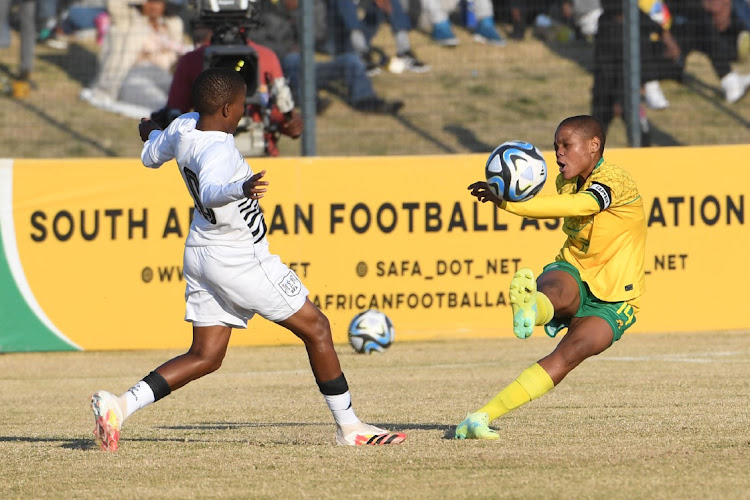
228	285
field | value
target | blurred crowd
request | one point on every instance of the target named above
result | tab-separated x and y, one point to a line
150	51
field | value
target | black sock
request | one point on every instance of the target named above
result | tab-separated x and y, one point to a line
158	385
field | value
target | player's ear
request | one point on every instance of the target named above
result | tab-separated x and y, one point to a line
594	144
225	109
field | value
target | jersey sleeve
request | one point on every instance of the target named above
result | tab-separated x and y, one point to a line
158	149
161	145
554	206
215	178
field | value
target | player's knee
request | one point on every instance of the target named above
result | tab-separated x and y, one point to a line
577	349
206	362
319	330
564	299
210	365
574	353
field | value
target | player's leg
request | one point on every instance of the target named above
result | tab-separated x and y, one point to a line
204	356
532	383
313	328
586	337
556	294
563	291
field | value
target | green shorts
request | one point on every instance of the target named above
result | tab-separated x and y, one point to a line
619	315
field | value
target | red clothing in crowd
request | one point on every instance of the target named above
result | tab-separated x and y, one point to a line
190	66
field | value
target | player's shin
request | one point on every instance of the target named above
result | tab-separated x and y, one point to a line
532	383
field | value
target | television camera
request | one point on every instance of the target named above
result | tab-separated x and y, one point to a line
230	21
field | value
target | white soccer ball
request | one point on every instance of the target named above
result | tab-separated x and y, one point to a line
370	331
516	171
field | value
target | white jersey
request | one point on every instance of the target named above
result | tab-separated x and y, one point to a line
214	171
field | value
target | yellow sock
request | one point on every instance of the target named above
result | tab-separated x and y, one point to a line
545	311
530	384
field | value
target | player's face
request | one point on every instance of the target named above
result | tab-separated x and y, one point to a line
575	153
236	111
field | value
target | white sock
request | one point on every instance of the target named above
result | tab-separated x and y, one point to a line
137	397
341	407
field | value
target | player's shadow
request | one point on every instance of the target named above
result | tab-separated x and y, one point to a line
85	444
89	444
401	427
218	426
448	430
67	443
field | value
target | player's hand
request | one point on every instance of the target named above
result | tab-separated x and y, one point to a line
482	191
253	187
293	125
146	127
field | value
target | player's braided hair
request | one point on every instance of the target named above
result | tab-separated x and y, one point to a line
215	87
589	126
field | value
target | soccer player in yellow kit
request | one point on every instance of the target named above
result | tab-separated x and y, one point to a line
594	286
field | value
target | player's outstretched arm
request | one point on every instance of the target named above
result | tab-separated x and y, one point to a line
253	187
482	191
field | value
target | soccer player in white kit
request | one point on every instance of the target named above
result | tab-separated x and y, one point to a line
229	272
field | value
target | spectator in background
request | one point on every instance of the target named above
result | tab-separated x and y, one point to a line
350	33
81	17
709	26
741	11
279	31
658	11
27	16
476	15
46	18
262	125
585	15
526	12
137	57
608	91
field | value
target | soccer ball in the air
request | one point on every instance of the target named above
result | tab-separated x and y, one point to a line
516	171
371	330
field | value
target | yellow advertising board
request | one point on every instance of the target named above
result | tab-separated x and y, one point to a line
99	244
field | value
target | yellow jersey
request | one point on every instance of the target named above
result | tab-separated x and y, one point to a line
605	226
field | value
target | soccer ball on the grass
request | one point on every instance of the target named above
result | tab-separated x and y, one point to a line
516	171
371	330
